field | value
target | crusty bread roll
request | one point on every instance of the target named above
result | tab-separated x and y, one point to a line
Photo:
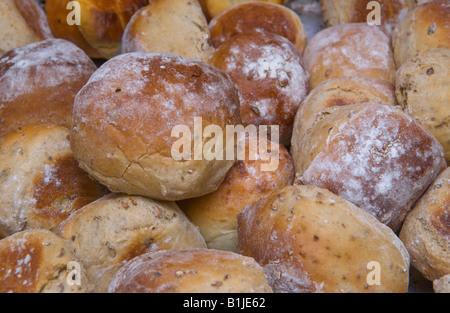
190	271
57	14
442	285
38	83
307	239
355	11
175	26
216	213
116	228
373	155
353	49
426	231
426	27
124	123
215	7
21	22
338	92
255	15
423	91
40	181
38	261
269	73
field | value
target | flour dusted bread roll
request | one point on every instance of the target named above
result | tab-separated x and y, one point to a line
190	271
373	155
249	179
175	26
215	7
38	261
38	83
21	22
268	71
426	27
40	181
423	91
357	11
353	49
307	239
116	228
338	92
124	123
255	15
426	231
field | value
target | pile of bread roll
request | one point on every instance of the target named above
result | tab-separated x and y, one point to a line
92	198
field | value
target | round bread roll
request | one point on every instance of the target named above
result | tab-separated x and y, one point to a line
353	50
213	8
339	91
40	181
426	231
116	228
268	71
307	239
255	15
21	22
102	23
125	123
190	271
373	155
38	261
358	11
423	91
426	27
38	83
248	180
175	26
442	285
57	17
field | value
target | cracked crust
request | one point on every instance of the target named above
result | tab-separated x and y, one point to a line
37	261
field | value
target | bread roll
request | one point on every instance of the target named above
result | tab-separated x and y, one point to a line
353	50
134	102
356	11
40	181
57	14
175	26
21	22
426	231
426	27
373	155
423	91
338	92
268	71
38	261
442	285
116	228
38	83
307	239
254	15
213	8
216	213
190	271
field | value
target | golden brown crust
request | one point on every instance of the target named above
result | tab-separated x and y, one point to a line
423	91
269	73
426	27
41	183
215	213
38	83
254	15
213	8
426	231
134	152
37	261
307	239
117	227
353	50
190	271
372	155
